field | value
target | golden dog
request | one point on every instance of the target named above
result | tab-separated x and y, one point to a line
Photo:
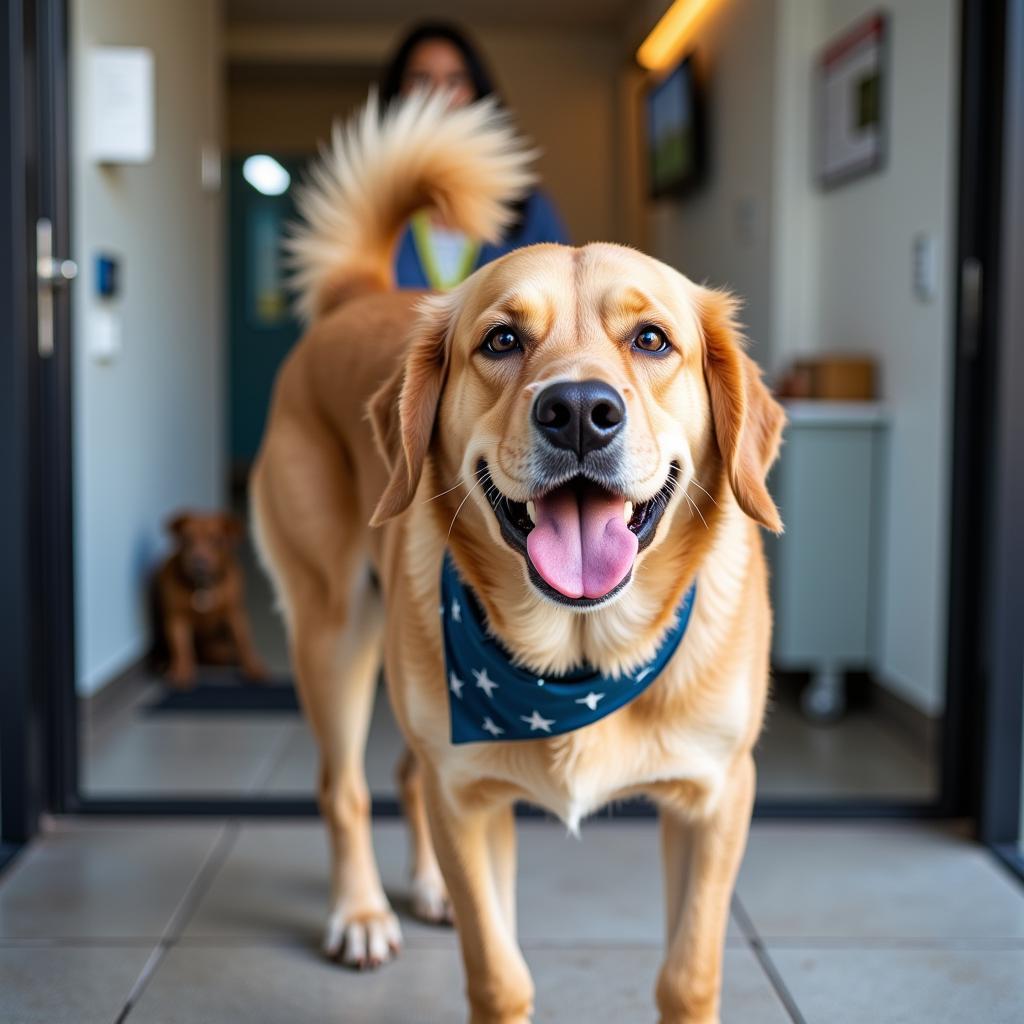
580	429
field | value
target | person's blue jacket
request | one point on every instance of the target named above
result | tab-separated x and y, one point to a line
540	223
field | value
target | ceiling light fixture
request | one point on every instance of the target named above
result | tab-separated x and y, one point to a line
664	43
266	175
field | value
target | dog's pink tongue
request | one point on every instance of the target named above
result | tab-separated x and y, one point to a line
580	544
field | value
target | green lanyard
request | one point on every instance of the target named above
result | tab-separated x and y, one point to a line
420	223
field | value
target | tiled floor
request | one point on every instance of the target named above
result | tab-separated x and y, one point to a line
129	751
202	923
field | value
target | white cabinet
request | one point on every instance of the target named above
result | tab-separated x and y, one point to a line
829	485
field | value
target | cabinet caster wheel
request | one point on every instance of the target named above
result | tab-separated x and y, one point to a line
824	698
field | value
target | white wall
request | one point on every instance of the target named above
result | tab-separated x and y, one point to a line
794	268
723	233
831	270
149	426
866	302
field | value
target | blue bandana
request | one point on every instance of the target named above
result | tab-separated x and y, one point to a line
492	699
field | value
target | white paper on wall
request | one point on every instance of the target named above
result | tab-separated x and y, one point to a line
120	105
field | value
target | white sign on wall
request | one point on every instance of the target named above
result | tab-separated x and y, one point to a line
120	99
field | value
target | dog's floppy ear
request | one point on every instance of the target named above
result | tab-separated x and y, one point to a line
403	410
748	422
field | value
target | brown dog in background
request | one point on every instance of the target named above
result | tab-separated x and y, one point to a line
199	595
405	427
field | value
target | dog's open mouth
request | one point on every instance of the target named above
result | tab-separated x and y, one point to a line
580	539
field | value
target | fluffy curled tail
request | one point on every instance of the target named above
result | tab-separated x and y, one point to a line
468	163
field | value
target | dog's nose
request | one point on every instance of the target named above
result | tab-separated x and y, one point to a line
579	415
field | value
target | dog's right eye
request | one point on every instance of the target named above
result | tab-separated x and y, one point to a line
501	341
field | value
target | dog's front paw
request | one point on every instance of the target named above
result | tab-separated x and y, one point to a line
255	671
181	676
430	901
362	941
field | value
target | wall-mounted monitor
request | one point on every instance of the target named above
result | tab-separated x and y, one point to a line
675	133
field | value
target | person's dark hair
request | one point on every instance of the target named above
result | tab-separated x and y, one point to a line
394	73
479	75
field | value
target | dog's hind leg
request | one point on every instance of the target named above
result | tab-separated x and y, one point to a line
337	665
429	894
309	540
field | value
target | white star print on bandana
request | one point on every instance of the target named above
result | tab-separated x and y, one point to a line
508	703
538	721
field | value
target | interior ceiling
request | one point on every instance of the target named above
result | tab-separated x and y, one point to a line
528	13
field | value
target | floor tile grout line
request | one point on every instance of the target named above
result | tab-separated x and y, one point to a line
148	968
952	943
208	870
759	950
814	944
194	892
413	944
79	941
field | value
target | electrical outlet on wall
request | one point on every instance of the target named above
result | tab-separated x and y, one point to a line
104	332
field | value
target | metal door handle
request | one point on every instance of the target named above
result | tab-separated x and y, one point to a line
51	273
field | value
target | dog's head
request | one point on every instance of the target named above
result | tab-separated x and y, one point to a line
206	543
577	399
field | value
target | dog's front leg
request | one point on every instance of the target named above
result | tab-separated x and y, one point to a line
182	668
701	859
476	849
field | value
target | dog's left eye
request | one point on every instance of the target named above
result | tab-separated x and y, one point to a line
501	341
651	340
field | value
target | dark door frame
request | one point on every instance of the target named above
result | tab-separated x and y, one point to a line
1000	553
36	599
986	635
19	795
38	711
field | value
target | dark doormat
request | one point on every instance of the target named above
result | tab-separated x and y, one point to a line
228	697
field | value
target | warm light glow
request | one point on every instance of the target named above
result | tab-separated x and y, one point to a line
266	175
665	42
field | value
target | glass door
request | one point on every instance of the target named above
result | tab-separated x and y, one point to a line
179	322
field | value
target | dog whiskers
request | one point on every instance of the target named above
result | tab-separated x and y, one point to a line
461	503
693	505
662	498
458	483
694	480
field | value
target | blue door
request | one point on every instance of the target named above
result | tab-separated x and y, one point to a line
261	326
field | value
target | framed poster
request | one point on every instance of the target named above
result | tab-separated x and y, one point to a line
852	81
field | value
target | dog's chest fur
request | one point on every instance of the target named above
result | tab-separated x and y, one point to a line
675	742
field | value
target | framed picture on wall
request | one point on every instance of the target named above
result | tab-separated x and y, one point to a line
852	98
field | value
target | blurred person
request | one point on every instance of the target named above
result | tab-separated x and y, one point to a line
431	254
